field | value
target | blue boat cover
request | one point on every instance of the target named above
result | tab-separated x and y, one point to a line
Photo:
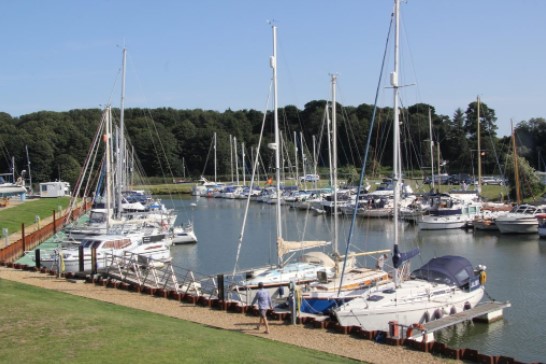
449	269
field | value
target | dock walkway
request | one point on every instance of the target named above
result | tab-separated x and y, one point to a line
479	311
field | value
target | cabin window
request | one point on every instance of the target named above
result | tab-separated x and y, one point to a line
462	275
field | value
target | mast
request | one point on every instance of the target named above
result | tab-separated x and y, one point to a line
396	128
12	169
334	159
516	166
431	148
296	155
231	156
121	146
314	161
236	160
302	155
108	148
329	139
214	157
273	62
479	146
28	166
243	160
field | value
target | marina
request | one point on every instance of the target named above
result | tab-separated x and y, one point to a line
511	261
515	264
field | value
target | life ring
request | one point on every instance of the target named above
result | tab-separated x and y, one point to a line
413	327
483	277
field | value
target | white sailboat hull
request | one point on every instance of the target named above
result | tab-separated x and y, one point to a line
414	302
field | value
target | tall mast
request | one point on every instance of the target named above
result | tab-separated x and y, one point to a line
431	148
334	159
236	160
396	126
13	169
243	162
231	156
108	148
296	155
479	145
314	161
214	157
273	62
29	174
302	155
516	165
121	146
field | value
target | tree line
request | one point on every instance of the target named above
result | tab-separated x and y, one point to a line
171	143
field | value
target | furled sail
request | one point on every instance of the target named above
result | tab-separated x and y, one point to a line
285	247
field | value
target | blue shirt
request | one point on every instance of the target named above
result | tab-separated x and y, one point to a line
263	298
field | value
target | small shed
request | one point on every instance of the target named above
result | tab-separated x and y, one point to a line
54	189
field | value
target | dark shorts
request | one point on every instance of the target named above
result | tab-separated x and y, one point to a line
263	312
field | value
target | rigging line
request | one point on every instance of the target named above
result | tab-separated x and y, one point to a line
155	128
363	170
351	136
497	159
409	144
254	167
90	158
207	159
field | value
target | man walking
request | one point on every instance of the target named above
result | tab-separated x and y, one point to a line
264	303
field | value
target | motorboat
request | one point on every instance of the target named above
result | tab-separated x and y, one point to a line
103	250
183	235
448	212
520	220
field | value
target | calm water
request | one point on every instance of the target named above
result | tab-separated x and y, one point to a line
516	265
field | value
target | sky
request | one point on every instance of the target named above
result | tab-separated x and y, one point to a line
214	55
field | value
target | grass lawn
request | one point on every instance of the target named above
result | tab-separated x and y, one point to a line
26	212
43	326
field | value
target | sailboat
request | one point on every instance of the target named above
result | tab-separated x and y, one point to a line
148	227
489	212
206	187
321	296
443	286
522	218
275	277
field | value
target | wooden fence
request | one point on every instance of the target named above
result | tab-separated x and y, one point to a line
17	249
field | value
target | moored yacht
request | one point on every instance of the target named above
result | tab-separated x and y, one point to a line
520	220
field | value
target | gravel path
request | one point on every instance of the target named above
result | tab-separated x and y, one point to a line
316	339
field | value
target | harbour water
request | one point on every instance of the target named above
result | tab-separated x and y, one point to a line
516	265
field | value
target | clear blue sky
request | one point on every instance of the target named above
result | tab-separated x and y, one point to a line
64	54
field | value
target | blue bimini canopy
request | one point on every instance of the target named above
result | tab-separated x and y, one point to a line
449	269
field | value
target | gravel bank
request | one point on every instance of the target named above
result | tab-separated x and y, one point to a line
299	335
